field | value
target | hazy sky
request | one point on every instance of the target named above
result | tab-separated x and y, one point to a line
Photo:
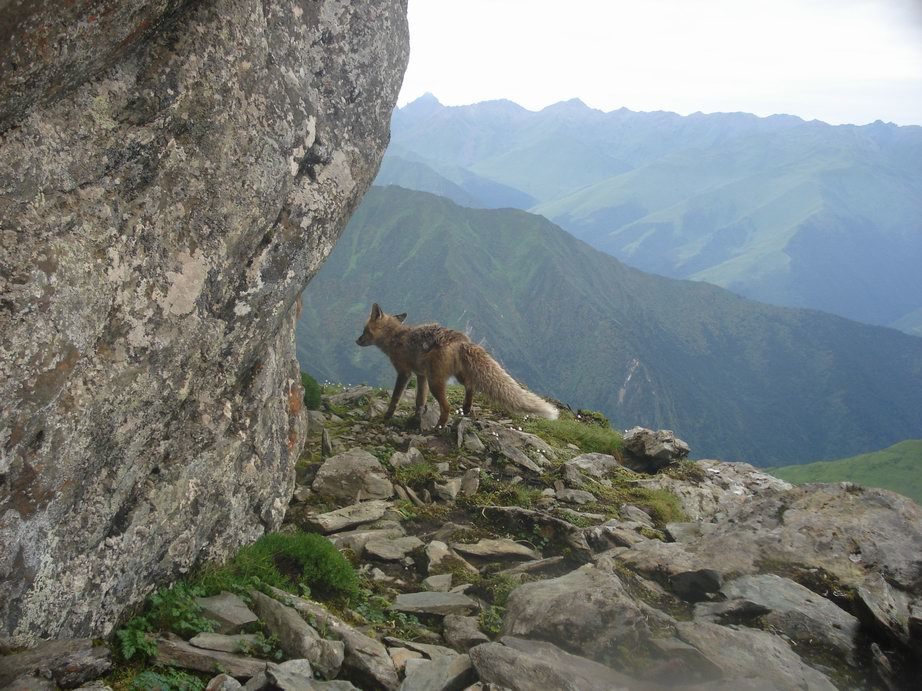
835	60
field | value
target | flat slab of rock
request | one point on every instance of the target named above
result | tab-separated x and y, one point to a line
576	496
178	653
392	549
356	539
224	643
71	662
462	633
354	475
442	558
297	638
229	613
524	665
445	673
434	603
598	465
495	549
347	517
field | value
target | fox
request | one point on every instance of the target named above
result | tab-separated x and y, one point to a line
435	353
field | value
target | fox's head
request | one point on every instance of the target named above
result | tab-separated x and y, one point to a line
377	324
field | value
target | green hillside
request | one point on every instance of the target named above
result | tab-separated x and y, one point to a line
735	378
777	209
897	468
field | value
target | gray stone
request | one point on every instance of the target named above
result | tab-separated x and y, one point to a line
649	451
352	476
174	174
400	656
524	665
315	422
803	616
598	465
445	673
392	549
441	558
412	456
356	540
448	490
297	638
68	662
438	584
462	633
365	660
175	652
588	609
229	613
558	533
467	437
240	643
326	444
434	603
575	496
470	482
349	396
495	549
347	517
223	682
748	653
430	650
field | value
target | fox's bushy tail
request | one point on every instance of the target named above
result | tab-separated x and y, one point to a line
485	374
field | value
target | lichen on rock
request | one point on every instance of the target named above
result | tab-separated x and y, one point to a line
163	201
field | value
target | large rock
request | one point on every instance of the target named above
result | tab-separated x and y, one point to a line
351	476
650	451
588	611
173	173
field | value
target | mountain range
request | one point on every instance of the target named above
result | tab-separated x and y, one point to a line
777	209
737	379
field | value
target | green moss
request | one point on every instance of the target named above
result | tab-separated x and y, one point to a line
688	471
290	561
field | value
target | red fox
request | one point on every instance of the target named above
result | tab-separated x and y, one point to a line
434	354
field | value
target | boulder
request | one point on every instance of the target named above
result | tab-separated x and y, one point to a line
495	549
352	476
461	632
648	451
524	665
392	549
588	610
240	643
173	173
175	652
598	465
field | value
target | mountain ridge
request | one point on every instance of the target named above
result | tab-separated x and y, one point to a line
737	379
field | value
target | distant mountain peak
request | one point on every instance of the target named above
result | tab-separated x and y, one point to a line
570	105
424	105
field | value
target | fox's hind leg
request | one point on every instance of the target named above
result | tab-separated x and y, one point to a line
468	400
422	391
399	387
438	390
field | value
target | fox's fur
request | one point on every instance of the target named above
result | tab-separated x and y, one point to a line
434	354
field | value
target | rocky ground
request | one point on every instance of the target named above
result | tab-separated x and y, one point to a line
515	554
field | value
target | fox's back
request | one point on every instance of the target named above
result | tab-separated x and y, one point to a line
422	344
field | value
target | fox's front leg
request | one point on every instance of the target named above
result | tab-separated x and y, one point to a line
399	387
422	391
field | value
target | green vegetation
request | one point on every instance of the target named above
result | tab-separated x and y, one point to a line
575	324
494	492
897	468
589	431
418	475
166	679
311	391
296	562
627	488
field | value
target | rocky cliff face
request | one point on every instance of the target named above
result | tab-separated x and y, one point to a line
171	175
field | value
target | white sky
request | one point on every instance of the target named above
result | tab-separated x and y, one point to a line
835	60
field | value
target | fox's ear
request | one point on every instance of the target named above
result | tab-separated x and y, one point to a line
400	317
376	311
